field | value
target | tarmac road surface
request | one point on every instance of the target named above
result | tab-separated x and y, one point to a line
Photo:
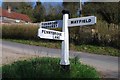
107	65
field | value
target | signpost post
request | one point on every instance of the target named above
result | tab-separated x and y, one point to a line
65	64
64	35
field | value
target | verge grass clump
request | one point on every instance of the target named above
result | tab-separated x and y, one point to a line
47	68
99	50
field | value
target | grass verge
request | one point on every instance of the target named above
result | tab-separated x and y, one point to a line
47	68
84	48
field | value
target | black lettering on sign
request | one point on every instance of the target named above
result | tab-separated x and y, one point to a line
79	21
71	22
45	32
57	33
60	34
83	21
89	20
49	32
56	37
54	33
42	31
74	21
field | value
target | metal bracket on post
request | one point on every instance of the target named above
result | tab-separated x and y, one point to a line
65	64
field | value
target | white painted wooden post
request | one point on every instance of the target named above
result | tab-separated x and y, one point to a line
65	43
64	35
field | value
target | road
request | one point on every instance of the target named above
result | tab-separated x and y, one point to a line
107	65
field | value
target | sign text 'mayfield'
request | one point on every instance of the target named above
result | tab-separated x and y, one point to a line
90	20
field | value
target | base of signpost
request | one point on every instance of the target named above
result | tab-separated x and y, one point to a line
65	67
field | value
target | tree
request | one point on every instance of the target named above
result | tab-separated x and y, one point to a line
25	8
53	12
13	5
39	12
73	7
106	11
109	11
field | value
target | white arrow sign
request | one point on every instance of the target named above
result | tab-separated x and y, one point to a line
90	20
52	24
50	34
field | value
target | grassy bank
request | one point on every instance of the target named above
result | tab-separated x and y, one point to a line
47	68
84	48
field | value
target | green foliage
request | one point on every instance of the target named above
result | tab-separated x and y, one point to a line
13	5
98	50
45	43
53	12
106	11
47	68
39	12
102	34
73	7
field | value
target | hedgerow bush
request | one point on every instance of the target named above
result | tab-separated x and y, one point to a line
20	31
102	34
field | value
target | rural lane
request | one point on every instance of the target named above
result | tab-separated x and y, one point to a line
107	65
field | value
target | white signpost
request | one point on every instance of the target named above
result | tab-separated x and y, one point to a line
64	35
50	34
